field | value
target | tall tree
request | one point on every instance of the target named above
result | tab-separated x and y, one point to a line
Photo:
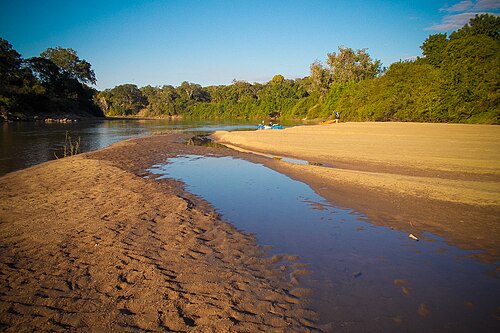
193	92
68	61
46	71
434	48
40	85
11	75
352	66
319	77
15	78
10	64
126	99
483	24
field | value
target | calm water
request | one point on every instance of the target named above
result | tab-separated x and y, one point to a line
366	278
25	144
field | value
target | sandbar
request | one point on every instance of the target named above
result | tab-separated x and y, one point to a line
415	177
92	243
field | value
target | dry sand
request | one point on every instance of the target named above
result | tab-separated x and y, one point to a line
442	178
88	244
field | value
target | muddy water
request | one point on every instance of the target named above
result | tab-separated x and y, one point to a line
365	278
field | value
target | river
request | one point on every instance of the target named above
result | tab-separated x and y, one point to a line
25	144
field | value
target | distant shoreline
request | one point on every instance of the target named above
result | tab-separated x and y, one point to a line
67	118
78	117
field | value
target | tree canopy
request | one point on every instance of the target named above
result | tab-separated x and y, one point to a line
352	66
70	64
456	80
53	83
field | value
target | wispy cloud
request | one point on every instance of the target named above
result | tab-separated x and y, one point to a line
410	58
453	22
461	13
487	5
459	7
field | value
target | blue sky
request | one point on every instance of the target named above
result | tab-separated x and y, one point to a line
213	42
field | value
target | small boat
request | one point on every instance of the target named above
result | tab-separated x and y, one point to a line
274	126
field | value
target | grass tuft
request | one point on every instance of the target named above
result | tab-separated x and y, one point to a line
70	147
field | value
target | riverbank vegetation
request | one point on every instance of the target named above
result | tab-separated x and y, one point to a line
456	80
70	148
51	86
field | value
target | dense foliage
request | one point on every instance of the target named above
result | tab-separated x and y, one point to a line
239	100
52	85
456	80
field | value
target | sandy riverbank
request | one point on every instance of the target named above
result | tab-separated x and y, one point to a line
442	178
89	244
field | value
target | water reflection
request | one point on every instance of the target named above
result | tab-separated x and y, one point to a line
366	278
29	143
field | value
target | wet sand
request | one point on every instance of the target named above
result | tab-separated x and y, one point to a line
441	178
89	244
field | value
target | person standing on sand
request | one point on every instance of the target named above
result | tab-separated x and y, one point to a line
337	117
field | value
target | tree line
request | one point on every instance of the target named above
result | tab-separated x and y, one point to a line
239	100
456	80
54	84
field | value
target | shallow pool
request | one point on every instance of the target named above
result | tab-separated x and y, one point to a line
365	278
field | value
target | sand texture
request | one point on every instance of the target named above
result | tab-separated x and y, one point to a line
88	244
443	178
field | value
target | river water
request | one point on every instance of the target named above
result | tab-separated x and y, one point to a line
365	278
25	144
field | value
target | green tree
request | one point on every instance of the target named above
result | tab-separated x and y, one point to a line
39	85
457	80
15	79
193	91
10	65
320	78
70	64
481	24
46	71
434	48
277	79
472	78
352	66
125	100
160	101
